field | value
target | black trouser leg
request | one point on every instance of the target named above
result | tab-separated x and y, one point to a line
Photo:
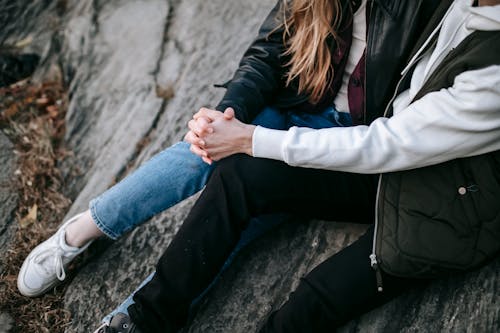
336	291
239	188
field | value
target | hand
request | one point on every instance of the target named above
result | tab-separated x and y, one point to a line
198	127
228	136
222	137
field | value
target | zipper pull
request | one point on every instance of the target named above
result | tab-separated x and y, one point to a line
378	274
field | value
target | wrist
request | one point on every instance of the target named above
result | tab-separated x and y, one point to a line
247	139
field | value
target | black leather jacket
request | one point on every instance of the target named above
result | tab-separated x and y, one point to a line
393	28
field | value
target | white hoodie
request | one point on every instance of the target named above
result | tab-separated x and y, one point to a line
461	121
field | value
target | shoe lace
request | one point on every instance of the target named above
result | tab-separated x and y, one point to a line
104	328
58	264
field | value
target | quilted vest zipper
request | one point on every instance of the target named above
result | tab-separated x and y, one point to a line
374	261
373	257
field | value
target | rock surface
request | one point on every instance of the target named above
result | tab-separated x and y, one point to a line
5	323
8	193
8	205
137	70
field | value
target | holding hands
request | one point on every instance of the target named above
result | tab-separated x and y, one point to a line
214	135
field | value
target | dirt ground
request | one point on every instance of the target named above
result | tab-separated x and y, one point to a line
32	116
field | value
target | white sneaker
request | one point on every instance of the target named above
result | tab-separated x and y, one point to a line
44	267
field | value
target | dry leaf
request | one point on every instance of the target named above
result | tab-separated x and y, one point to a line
52	110
42	101
11	111
30	217
24	42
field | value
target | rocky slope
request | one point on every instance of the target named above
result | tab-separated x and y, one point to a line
8	193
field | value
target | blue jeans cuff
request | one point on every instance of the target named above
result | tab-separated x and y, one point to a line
98	222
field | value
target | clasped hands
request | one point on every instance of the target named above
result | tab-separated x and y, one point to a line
214	135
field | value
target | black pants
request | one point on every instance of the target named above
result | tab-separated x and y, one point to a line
241	187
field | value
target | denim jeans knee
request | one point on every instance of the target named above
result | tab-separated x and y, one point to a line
166	179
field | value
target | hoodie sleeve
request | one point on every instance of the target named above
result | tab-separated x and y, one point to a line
460	121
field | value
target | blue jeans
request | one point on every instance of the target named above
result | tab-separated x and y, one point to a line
175	174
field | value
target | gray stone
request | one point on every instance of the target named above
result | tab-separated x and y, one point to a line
463	303
6	322
120	59
8	193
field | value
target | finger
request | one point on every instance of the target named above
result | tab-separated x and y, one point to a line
229	113
198	151
201	113
194	139
207	160
204	125
206	119
209	113
194	126
190	137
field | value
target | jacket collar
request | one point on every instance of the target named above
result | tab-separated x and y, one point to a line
389	6
431	26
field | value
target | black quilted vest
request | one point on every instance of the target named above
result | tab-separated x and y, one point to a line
443	218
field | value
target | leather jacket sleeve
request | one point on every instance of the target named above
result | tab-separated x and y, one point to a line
260	71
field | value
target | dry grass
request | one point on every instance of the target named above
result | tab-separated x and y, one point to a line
32	116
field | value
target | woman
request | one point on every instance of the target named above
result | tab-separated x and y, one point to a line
445	127
260	83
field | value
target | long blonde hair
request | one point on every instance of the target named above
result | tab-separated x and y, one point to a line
308	24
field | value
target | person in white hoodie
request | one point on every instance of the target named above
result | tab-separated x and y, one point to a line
445	117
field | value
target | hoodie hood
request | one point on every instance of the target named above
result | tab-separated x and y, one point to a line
485	18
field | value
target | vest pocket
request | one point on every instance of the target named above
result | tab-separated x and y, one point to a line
441	218
437	216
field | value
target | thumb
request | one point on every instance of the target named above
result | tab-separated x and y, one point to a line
229	114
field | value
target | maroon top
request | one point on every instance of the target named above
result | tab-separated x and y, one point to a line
356	92
356	85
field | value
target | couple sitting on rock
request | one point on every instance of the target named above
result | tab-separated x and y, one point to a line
340	110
